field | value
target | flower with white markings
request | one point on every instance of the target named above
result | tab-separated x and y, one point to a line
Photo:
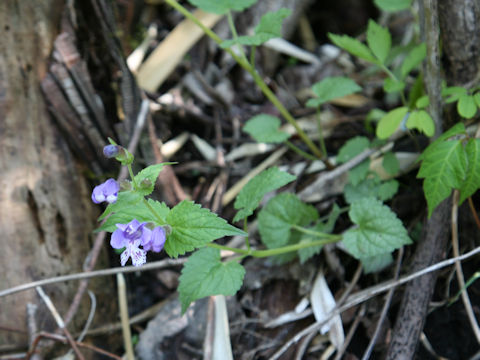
108	191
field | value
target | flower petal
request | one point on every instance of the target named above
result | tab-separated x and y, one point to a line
118	240
139	256
124	257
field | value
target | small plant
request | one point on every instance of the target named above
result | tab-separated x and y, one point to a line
288	227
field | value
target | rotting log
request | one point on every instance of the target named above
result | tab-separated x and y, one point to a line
47	144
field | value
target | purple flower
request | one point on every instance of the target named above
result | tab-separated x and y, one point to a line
111	150
130	236
157	240
108	191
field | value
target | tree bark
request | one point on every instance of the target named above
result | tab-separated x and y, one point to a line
46	215
459	25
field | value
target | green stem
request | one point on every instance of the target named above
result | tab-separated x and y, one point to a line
290	248
258	80
278	251
320	132
130	171
394	77
235	250
245	228
231	24
316	233
300	151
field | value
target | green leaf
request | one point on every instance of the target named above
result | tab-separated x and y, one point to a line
252	193
379	230
222	6
204	275
443	168
476	97
194	227
265	129
390	122
139	211
270	27
454	93
392	86
332	88
455	130
466	106
413	59
353	46
125	199
281	213
472	179
393	5
390	163
352	148
146	178
370	188
376	263
306	253
359	172
422	102
379	40
421	121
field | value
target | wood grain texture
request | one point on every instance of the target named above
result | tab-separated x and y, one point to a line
46	217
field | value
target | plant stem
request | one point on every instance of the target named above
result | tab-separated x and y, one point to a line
316	233
278	251
320	132
394	77
290	248
245	228
300	151
231	24
258	80
130	171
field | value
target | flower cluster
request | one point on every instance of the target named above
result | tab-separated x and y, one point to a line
133	235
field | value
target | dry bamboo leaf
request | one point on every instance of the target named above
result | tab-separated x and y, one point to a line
323	303
222	348
171	51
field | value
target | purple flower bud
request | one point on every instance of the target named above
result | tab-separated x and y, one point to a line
157	240
111	150
108	191
130	236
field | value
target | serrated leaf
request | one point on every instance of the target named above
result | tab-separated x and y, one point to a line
379	230
125	199
393	5
306	253
413	59
472	179
204	275
466	106
379	40
222	6
443	169
359	172
422	121
280	214
376	263
453	93
455	130
265	128
370	188
352	148
270	27
390	163
392	86
147	178
252	193
353	46
194	227
331	88
390	122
